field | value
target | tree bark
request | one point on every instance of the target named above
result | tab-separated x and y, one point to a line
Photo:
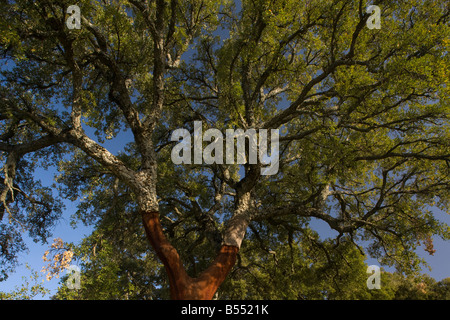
182	286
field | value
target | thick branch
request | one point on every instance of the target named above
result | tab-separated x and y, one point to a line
238	223
104	157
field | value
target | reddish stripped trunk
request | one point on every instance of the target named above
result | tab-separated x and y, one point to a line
183	287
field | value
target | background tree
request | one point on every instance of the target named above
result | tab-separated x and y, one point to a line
31	288
363	115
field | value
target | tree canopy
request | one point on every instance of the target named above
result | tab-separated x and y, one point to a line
363	116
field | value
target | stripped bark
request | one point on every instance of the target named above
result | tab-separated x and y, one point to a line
182	286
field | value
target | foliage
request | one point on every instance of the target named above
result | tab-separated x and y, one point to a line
364	146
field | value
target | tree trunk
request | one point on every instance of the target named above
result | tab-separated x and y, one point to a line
183	287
